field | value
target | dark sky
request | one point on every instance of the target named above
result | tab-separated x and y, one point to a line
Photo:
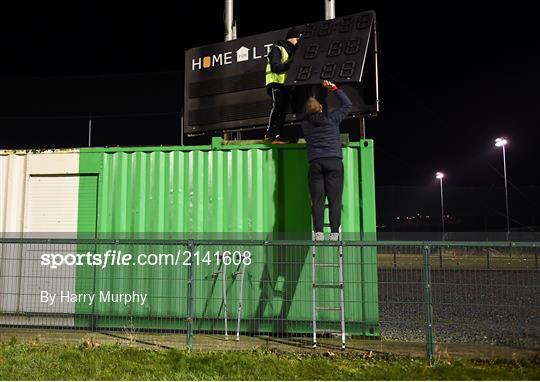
453	76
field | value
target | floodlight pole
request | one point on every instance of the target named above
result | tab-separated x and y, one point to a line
442	207
506	195
230	34
229	21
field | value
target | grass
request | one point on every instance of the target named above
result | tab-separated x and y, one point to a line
119	362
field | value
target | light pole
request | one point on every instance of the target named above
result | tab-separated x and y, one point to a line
502	142
440	176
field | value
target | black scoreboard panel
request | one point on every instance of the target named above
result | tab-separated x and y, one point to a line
225	82
332	50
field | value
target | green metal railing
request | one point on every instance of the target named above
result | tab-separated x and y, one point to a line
438	292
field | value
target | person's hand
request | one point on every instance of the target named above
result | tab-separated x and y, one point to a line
329	85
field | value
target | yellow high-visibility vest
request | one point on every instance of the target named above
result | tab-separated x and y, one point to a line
278	78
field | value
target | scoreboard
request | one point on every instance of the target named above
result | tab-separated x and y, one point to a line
332	50
224	83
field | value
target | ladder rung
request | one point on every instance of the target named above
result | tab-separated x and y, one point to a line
329	265
326	225
327	308
327	331
327	285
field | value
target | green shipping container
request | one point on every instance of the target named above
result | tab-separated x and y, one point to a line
252	190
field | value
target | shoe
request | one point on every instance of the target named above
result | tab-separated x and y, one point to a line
269	138
319	236
279	140
334	236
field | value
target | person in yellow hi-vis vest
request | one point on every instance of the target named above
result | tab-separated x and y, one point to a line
279	61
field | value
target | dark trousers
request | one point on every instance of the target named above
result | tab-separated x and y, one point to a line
280	104
326	181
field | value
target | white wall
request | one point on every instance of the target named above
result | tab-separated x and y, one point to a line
38	197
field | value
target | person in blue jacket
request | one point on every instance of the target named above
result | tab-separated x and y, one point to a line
321	131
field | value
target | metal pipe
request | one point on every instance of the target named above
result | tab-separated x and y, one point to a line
228	16
376	49
90	130
189	331
329	9
182	127
506	196
230	34
442	209
428	303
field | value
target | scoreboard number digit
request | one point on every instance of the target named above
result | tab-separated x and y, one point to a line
363	21
345	25
325	29
335	49
311	52
328	71
352	47
347	69
304	73
308	32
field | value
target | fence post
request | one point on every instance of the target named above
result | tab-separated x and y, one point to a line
487	258
189	337
428	303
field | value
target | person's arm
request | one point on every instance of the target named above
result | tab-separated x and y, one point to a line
274	57
346	105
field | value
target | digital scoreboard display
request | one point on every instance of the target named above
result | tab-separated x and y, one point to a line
332	50
224	83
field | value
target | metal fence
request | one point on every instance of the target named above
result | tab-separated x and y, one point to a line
438	293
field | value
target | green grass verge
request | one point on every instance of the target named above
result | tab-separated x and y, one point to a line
57	362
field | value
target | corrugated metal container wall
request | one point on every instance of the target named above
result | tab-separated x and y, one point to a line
39	194
207	189
224	189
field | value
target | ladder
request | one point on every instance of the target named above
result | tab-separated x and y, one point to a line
238	273
334	286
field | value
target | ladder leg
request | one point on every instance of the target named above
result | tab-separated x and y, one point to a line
341	292
243	269
224	280
313	295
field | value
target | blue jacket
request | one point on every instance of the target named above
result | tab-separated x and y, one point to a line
321	130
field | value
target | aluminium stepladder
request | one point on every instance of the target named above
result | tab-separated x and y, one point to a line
335	286
238	273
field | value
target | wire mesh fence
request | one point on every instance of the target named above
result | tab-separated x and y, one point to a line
211	293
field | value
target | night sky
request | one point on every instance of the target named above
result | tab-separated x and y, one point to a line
453	77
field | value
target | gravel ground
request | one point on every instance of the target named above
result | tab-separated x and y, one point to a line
497	307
